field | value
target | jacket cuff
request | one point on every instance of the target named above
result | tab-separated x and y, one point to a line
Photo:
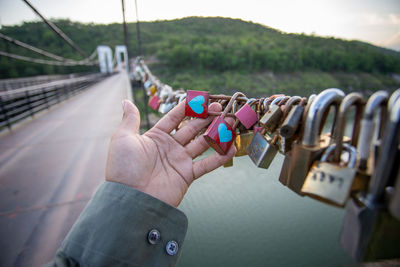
114	230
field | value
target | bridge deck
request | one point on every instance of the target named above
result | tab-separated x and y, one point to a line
50	166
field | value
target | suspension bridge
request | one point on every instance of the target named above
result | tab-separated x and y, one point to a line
54	135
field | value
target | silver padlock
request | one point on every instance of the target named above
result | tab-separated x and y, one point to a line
261	151
331	182
365	149
369	232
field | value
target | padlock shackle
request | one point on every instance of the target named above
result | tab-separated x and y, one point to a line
349	148
386	161
378	99
289	104
230	103
276	100
393	98
227	97
353	99
316	112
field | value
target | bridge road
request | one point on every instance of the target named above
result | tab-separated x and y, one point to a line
49	168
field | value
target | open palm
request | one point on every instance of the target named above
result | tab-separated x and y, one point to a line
158	163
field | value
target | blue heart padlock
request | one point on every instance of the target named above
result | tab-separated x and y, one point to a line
224	134
196	104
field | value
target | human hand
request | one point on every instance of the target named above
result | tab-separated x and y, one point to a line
157	163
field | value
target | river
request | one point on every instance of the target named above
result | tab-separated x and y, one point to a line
243	216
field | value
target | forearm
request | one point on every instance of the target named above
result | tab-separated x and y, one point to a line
114	230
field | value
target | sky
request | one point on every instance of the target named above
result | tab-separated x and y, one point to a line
373	21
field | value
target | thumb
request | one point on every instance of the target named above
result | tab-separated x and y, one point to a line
131	119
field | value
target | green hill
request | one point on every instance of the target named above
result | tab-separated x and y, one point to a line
220	54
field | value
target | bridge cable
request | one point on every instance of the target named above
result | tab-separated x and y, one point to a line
32	48
49	62
57	30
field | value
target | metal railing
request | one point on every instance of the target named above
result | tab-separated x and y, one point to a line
21	103
15	83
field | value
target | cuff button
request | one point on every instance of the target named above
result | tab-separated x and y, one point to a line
154	236
172	247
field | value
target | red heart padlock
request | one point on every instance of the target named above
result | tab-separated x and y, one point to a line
154	102
220	134
197	104
246	115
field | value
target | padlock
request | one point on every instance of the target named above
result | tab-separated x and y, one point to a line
197	104
365	148
393	99
284	175
152	90
272	117
331	182
167	105
229	163
312	144
242	142
246	115
369	232
292	120
147	84
261	151
154	102
351	100
243	136
220	134
285	144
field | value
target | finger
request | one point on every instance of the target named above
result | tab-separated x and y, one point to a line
172	119
212	162
200	145
131	118
192	128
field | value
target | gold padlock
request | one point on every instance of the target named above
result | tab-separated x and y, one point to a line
229	163
242	142
331	182
153	90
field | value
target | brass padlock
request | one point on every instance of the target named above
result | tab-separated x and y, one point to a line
272	117
284	175
262	152
312	144
242	142
152	90
331	182
229	163
365	147
369	232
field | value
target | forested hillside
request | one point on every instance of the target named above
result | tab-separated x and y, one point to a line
219	54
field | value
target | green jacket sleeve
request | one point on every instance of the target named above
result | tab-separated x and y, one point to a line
114	227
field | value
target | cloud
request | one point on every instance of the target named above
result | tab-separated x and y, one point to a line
392	42
372	19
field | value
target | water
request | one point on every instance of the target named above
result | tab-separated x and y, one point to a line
243	216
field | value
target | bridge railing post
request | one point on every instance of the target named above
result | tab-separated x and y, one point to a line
28	102
44	94
3	110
